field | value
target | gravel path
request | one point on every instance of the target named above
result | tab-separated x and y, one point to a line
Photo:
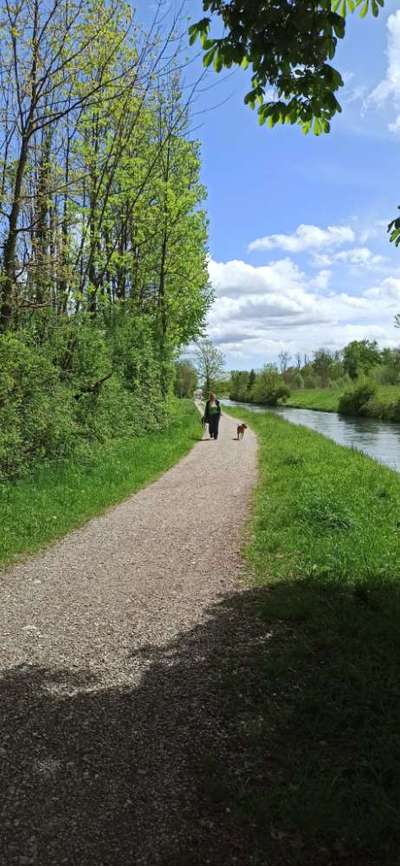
114	646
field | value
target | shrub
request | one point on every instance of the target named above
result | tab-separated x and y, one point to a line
375	408
269	387
276	395
310	381
354	402
393	411
298	381
36	410
65	382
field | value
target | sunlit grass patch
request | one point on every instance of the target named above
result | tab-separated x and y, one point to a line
61	495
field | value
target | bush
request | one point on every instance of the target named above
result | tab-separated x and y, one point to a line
36	410
65	382
277	395
354	402
375	408
387	375
393	411
310	381
269	388
344	382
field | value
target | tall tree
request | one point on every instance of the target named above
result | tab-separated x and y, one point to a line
210	363
360	356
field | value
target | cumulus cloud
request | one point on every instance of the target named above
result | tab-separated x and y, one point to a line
391	83
321	281
375	229
261	310
237	277
306	237
389	87
358	256
388	292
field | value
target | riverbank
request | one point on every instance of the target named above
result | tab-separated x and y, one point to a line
324	552
383	405
320	399
62	495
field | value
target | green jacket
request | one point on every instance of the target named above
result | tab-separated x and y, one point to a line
207	410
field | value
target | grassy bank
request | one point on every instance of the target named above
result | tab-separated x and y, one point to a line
327	400
323	399
60	496
323	701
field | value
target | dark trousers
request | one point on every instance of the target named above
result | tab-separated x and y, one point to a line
213	424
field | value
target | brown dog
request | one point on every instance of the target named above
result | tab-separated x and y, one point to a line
240	430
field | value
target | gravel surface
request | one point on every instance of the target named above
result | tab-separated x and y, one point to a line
115	646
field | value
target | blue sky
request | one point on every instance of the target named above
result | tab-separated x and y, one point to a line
299	255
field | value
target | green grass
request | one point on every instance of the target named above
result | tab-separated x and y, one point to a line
323	399
60	496
327	399
322	508
325	707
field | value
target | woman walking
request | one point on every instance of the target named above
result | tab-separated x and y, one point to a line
212	414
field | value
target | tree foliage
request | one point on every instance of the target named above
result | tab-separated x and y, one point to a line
267	387
289	47
360	356
185	378
210	364
357	370
103	270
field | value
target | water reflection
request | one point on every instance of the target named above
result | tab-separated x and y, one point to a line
378	439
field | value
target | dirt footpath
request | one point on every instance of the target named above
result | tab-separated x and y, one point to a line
115	645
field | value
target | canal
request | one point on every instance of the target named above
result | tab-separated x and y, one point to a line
378	439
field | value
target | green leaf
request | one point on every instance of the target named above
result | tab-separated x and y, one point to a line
250	98
317	126
218	61
209	56
201	28
339	26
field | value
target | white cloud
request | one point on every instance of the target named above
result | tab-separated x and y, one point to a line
322	260
389	87
306	237
360	257
321	281
395	126
261	310
237	277
375	229
352	92
388	292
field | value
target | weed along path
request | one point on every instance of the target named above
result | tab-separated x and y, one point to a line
114	643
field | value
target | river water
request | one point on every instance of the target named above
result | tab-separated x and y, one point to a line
378	439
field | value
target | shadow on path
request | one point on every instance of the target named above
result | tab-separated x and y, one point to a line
222	753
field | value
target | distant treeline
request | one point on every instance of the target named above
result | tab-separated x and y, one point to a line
357	373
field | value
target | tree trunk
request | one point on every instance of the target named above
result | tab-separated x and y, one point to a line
8	286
